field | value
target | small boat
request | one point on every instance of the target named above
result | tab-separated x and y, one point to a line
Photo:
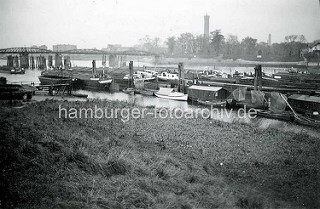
287	116
80	95
169	93
129	91
17	71
52	79
147	92
14	91
213	103
141	75
94	83
164	76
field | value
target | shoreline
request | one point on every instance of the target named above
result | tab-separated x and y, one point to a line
187	163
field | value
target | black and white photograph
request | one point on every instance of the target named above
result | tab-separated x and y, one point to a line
161	104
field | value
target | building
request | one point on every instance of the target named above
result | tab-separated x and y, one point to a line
40	47
63	47
116	48
207	93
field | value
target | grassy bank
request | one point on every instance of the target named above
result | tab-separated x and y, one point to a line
49	162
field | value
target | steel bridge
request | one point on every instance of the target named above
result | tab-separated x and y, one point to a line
38	57
30	50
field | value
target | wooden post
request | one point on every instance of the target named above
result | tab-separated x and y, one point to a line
130	80
93	67
180	84
258	78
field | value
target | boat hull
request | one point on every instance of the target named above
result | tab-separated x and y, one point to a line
178	98
47	80
213	104
286	116
93	84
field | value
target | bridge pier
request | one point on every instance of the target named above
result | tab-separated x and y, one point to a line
50	63
24	60
10	61
58	60
117	60
122	61
112	60
16	61
67	62
104	60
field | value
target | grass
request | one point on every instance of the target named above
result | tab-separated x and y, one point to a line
49	162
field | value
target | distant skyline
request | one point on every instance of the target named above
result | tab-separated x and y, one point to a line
97	23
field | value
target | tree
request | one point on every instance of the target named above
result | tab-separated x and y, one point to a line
171	43
186	43
290	38
149	44
232	45
249	45
217	40
302	39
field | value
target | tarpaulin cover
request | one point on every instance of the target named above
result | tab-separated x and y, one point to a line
239	94
277	103
257	97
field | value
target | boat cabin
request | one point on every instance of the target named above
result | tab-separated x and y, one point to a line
207	93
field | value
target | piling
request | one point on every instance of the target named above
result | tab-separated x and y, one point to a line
181	78
130	80
258	78
93	68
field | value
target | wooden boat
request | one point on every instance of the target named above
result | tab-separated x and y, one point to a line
54	79
287	116
94	83
250	105
213	103
17	71
169	93
80	95
129	91
147	92
14	91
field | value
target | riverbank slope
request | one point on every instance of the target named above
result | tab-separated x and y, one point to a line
52	162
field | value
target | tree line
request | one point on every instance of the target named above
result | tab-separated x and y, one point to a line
226	47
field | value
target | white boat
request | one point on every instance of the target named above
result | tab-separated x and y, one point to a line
165	76
142	75
169	93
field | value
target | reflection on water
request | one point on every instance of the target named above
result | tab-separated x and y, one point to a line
137	99
29	76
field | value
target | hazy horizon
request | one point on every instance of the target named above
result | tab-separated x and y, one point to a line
97	23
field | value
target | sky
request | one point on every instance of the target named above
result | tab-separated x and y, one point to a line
97	23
